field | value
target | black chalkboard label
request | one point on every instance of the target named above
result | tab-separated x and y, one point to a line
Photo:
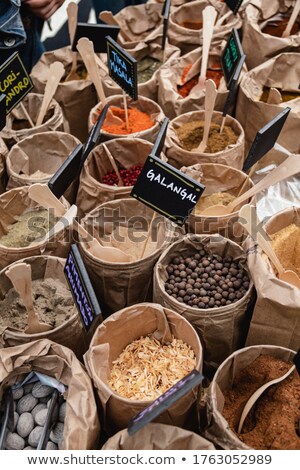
233	86
15	82
266	138
81	288
160	140
165	14
96	33
94	134
122	68
231	56
167	399
166	190
67	173
2	111
296	361
234	5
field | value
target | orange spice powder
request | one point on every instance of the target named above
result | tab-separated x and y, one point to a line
185	89
138	121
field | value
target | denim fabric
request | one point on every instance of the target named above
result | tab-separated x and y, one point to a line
11	26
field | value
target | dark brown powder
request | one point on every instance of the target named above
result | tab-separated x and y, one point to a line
190	135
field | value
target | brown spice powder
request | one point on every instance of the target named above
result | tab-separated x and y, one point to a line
273	423
286	244
190	135
212	200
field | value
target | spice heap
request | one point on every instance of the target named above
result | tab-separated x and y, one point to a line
286	244
195	25
39	175
146	68
31	402
132	241
215	198
30	227
81	72
206	281
214	73
137	121
285	95
147	368
276	28
190	135
52	302
274	421
129	176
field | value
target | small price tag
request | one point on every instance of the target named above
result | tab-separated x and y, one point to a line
67	173
82	290
122	68
96	33
266	138
296	361
167	399
165	14
160	140
231	56
14	81
166	190
233	86
234	5
2	111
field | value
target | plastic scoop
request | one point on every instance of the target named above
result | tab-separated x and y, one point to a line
209	15
20	277
72	11
209	104
250	223
274	96
56	71
290	167
253	399
42	194
292	20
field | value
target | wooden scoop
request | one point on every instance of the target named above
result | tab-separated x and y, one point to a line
56	72
113	164
209	15
20	277
72	10
86	50
209	104
290	167
43	195
253	399
292	20
274	96
250	224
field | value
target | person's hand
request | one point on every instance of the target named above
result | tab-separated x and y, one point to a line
43	8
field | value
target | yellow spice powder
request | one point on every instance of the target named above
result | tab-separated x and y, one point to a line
286	244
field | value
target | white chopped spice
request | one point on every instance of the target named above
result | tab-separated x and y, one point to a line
147	368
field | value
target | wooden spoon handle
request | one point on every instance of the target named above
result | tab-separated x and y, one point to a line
113	164
274	96
292	20
209	17
42	194
20	277
72	11
56	72
210	99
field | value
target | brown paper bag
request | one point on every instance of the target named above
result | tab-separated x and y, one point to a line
3	175
109	340
153	49
119	285
276	318
36	158
76	97
157	436
218	430
169	77
82	428
258	46
232	156
14	203
126	152
218	178
17	127
188	39
70	334
144	104
222	330
254	114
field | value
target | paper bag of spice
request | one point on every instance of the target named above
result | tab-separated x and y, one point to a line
276	317
93	189
155	324
53	304
268	43
157	436
176	96
281	72
82	427
124	224
218	430
228	148
17	126
222	330
76	97
23	222
149	56
3	175
185	25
